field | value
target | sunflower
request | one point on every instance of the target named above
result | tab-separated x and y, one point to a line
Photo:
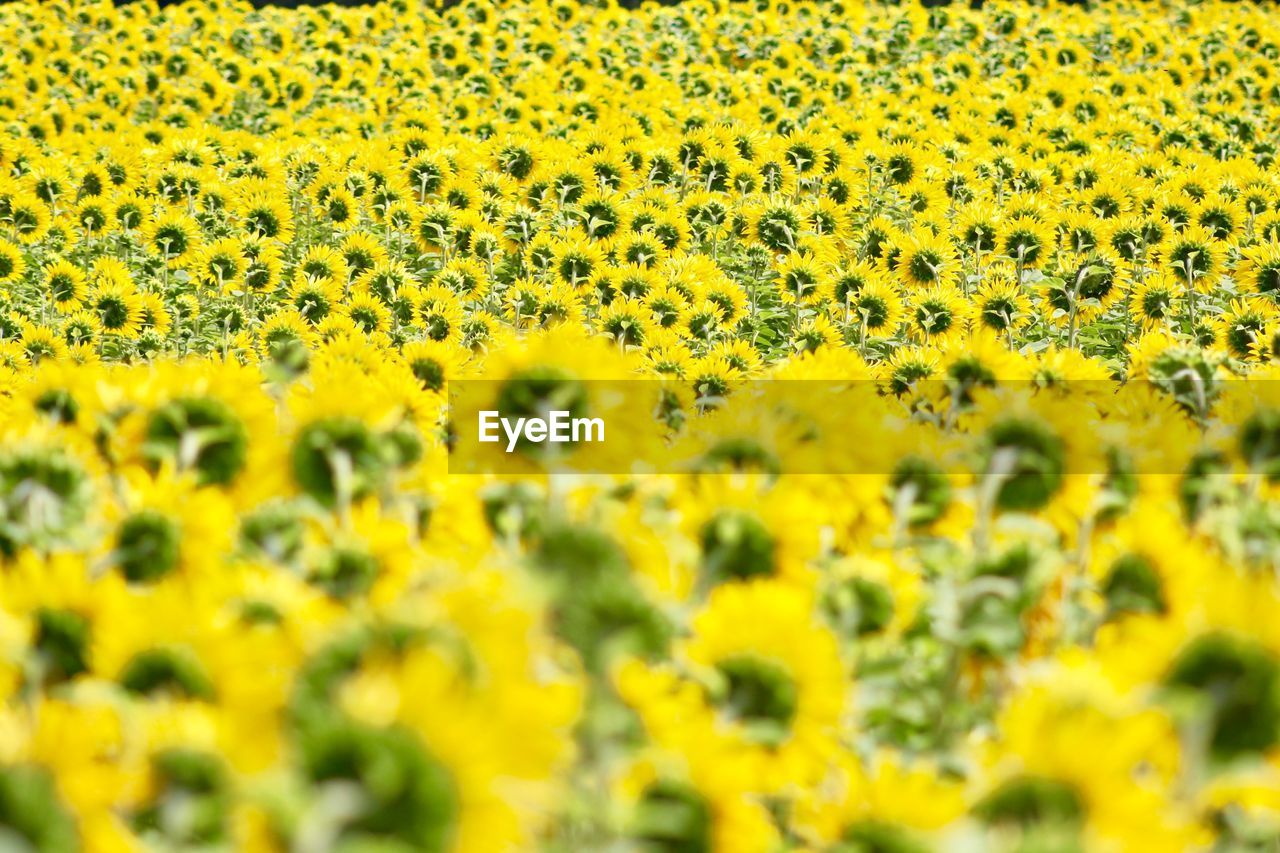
1135	566
706	812
633	281
829	219
285	337
314	298
1049	786
466	277
368	313
341	208
80	327
976	229
455	762
938	313
569	182
925	199
154	314
666	355
324	263
488	245
727	296
427	173
262	215
91	215
1222	217
866	807
699	320
28	220
1107	200
1100	279
1153	300
65	284
777	227
128	211
625	320
799	279
1129	239
816	332
1059	365
12	356
1027	241
843	283
774	173
981	360
118	308
926	260
713	378
1001	305
220	264
1266	346
740	355
559	303
881	241
390	281
1242	325
877	308
12	263
778	710
806	152
1258	270
599	218
901	163
1195	256
909	366
1081	231
576	260
434	363
440	314
1267	226
665	305
164	526
263	268
642	250
539	253
173	236
42	342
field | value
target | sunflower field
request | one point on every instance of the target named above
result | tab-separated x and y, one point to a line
249	599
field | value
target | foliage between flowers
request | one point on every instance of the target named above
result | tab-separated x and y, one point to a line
243	254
